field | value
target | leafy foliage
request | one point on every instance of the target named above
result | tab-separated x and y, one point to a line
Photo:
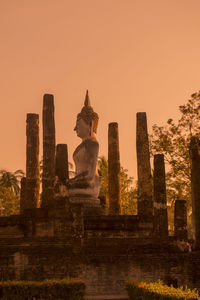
11	180
10	192
9	202
159	291
173	140
48	289
128	191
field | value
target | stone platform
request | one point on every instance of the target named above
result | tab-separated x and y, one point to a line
104	251
91	206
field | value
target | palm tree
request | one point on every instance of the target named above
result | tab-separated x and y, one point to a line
11	180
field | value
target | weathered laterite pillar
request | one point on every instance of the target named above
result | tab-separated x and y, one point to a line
23	195
48	176
114	170
195	185
145	199
62	163
160	203
32	162
180	220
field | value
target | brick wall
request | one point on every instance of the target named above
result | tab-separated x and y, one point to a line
105	251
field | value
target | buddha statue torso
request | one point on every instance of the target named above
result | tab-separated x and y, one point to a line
86	180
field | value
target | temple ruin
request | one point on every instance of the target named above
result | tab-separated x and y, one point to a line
65	231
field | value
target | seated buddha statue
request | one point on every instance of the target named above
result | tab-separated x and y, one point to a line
86	180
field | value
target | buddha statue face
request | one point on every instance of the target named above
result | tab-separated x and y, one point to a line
82	128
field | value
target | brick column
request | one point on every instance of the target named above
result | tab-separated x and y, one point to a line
160	203
32	162
195	185
48	176
23	195
145	199
114	170
62	163
180	220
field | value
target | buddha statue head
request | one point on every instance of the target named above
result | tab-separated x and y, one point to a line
87	120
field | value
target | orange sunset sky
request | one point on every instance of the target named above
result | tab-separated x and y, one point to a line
132	55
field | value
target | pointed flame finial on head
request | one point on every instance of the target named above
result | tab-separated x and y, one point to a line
87	99
88	115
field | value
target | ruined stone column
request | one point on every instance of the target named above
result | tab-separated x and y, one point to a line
62	163
48	176
160	203
114	170
195	185
23	195
32	162
145	199
180	220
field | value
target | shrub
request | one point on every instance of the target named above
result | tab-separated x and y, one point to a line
158	291
49	289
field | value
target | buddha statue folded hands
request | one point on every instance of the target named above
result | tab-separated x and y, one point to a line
86	180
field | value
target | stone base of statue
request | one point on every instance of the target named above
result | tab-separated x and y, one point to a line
91	206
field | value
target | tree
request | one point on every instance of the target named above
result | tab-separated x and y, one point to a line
11	180
9	202
10	191
128	191
173	140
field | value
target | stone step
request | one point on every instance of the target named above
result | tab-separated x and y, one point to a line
107	297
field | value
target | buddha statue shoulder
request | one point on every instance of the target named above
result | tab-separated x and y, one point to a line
85	156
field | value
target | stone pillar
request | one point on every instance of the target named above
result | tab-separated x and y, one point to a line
62	163
180	220
145	199
48	176
195	185
23	195
160	203
114	170
32	162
